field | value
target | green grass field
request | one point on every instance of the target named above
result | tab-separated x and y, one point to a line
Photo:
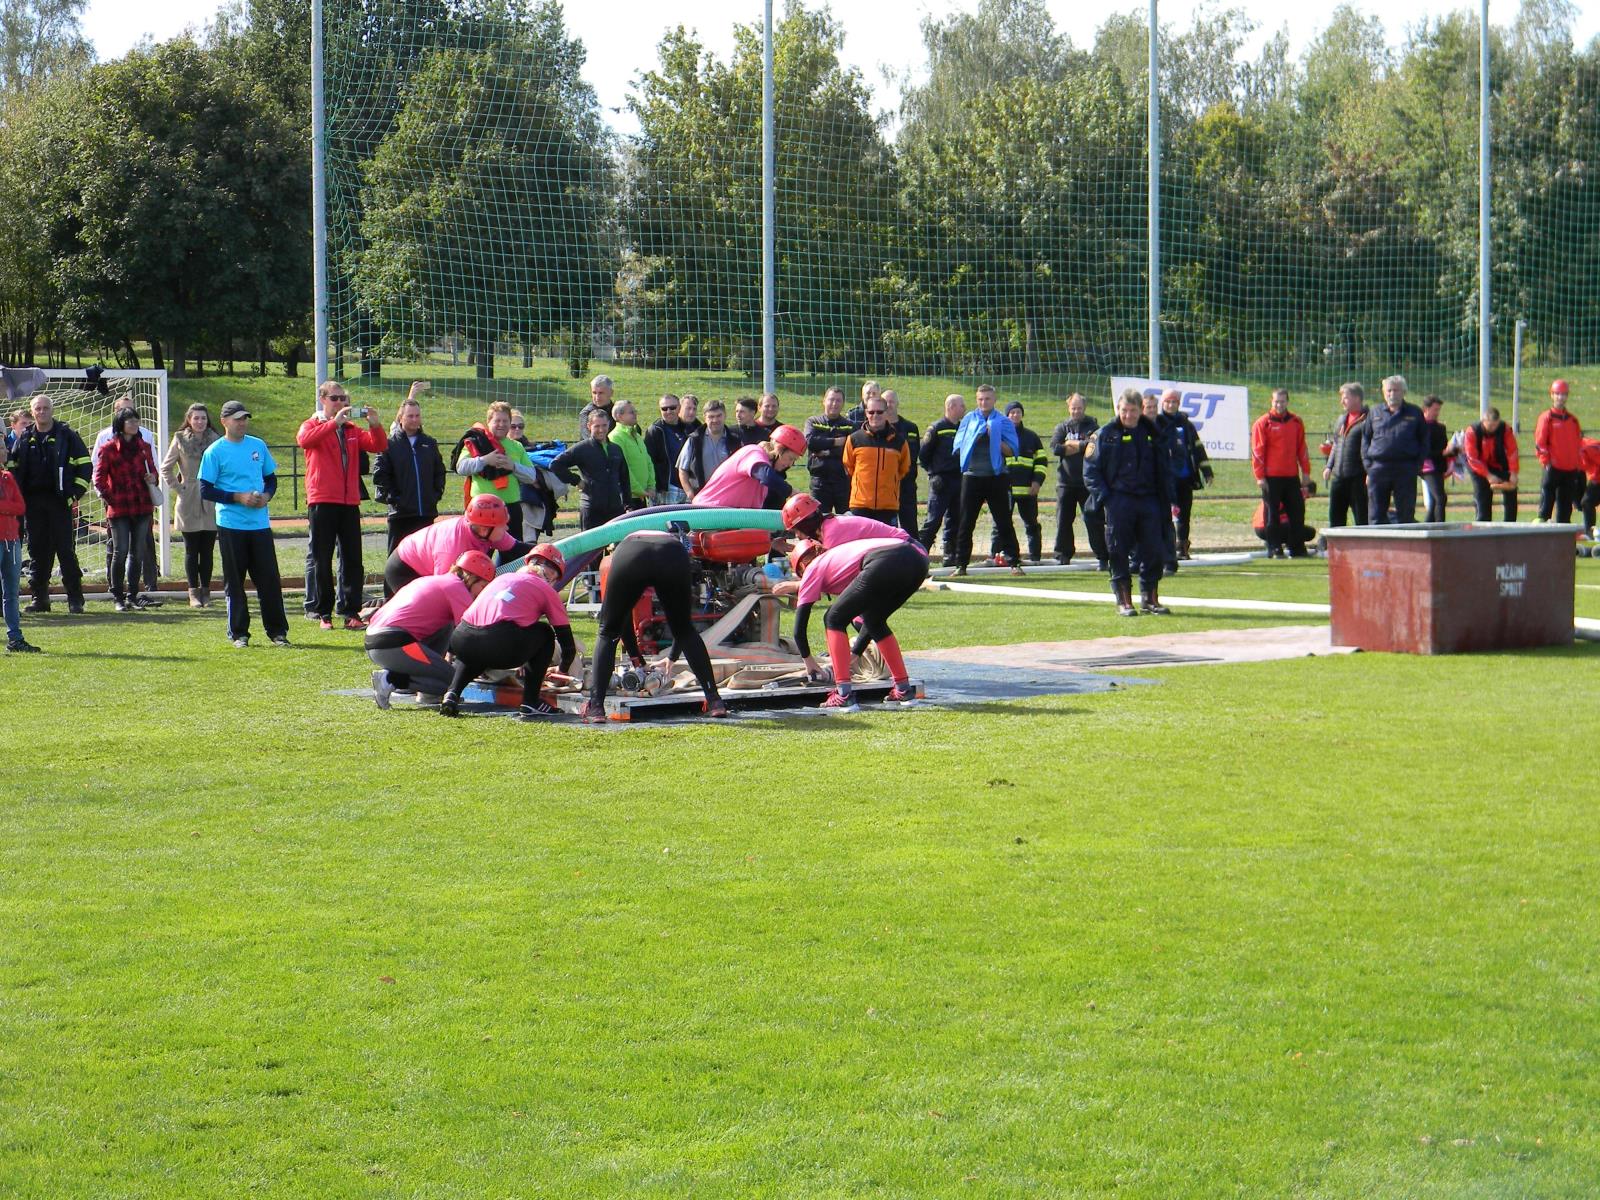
1316	928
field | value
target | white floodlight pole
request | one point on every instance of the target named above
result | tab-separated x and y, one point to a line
1516	379
1153	221
1483	209
769	183
319	199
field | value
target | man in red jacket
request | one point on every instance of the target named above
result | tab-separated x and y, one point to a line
1491	449
1558	438
1283	473
333	444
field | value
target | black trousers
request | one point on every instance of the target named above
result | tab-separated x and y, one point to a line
1133	532
832	492
1392	484
198	548
1185	496
944	507
501	647
1027	508
1068	501
337	526
1347	502
1590	501
908	503
888	578
412	663
1282	495
1483	501
402	526
250	552
889	516
1434	500
994	491
640	563
1558	493
50	531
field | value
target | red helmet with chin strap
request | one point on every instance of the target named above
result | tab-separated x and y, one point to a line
787	437
545	554
476	562
800	557
488	510
798	508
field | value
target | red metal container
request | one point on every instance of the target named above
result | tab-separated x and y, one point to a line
1451	588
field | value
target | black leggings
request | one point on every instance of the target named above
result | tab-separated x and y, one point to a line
642	562
197	551
889	577
397	573
502	646
412	662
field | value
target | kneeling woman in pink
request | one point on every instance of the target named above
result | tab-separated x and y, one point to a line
802	514
870	578
432	550
515	622
754	476
407	637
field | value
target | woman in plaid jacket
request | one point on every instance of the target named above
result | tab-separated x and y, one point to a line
122	478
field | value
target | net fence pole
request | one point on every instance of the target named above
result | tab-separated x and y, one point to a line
1516	379
1483	209
319	198
1154	218
168	503
769	322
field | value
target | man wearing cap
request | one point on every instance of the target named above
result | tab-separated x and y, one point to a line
52	468
239	476
333	444
1394	442
1558	439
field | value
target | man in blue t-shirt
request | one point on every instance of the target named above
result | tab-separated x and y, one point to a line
239	475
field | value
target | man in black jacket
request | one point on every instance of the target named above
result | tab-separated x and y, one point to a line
1129	478
409	475
1191	468
597	467
1394	443
911	434
1026	471
664	442
1070	444
52	468
938	459
1344	473
825	438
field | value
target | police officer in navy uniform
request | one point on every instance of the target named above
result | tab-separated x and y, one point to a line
938	459
1130	480
1190	469
825	436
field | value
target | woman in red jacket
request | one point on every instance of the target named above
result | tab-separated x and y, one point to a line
1283	471
122	477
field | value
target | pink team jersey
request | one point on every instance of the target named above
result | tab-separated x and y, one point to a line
520	597
833	571
434	550
836	531
733	485
424	606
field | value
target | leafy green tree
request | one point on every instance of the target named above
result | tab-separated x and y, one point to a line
485	212
693	207
40	39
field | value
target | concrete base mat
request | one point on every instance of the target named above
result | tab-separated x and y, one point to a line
1153	650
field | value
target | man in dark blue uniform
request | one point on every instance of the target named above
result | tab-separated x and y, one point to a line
1130	480
1394	441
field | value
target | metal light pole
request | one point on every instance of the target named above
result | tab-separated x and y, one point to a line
769	265
1516	379
1483	209
1153	220
319	199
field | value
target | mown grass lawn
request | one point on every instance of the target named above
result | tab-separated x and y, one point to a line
1323	927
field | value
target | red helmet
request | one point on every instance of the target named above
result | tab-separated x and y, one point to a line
798	508
545	554
1558	388
476	562
488	510
789	438
800	557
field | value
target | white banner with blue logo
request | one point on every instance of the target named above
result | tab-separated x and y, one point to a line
1221	413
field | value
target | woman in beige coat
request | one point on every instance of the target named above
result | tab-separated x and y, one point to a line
194	518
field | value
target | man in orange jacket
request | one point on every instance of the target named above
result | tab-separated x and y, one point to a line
1558	438
876	458
1283	473
333	444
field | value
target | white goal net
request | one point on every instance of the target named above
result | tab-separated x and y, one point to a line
80	402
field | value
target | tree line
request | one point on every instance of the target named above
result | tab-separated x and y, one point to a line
1316	210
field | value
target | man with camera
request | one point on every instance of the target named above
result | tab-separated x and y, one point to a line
333	444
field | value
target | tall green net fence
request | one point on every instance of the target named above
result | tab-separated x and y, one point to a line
492	230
